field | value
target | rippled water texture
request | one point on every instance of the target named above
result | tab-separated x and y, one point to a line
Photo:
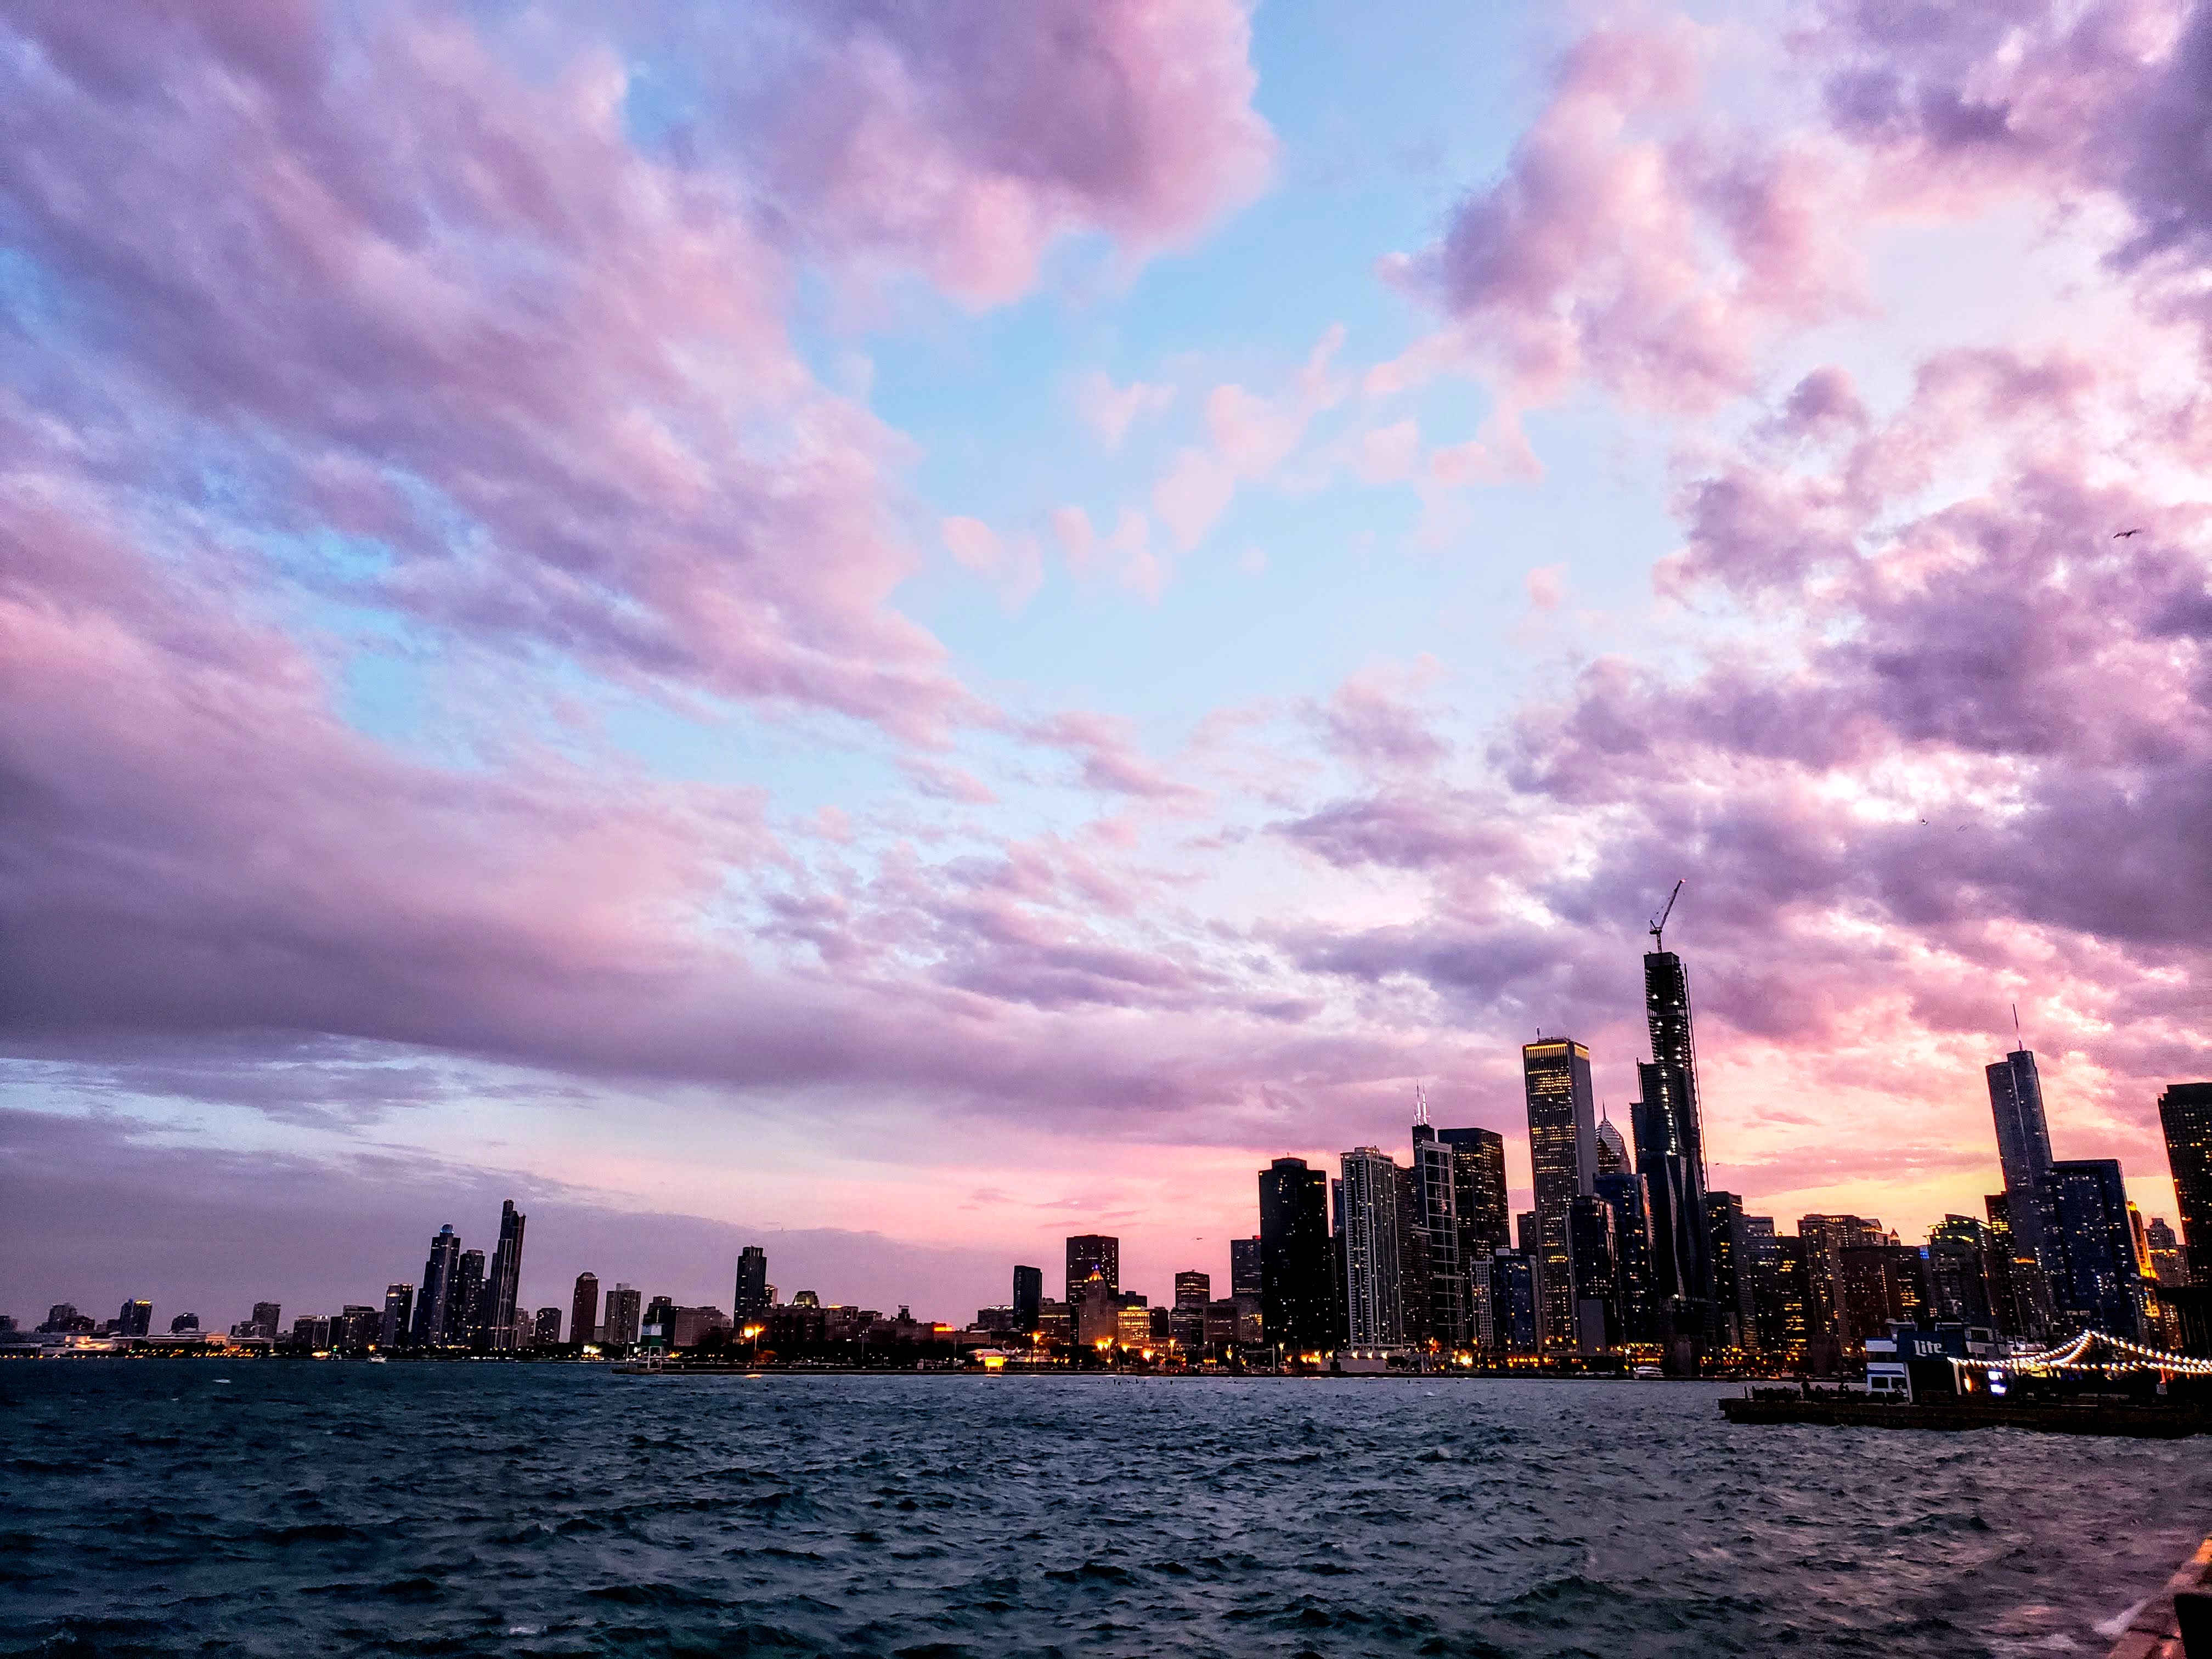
335	1508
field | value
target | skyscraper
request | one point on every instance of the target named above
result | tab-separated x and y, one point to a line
1734	1303
749	1302
1296	1277
503	1281
2024	1153
1826	1239
1670	1155
399	1316
464	1320
136	1319
1479	1172
2099	1285
1029	1297
625	1316
2184	1112
545	1329
584	1309
1563	1155
1623	1193
1432	1183
268	1317
435	1321
1244	1266
1611	1150
1090	1252
1192	1288
2166	1259
1375	1312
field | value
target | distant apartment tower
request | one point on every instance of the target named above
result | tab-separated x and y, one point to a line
749	1302
435	1325
2167	1260
2099	1285
465	1320
136	1319
1192	1288
1375	1313
503	1280
1244	1266
625	1316
1432	1223
1563	1155
1029	1297
1090	1252
584	1309
179	1326
1297	1304
398	1322
2184	1112
268	1319
545	1329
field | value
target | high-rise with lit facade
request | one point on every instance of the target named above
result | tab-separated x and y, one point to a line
1090	1252
136	1318
399	1316
2024	1153
464	1320
1297	1279
1563	1156
1375	1315
2098	1286
1432	1184
625	1316
2184	1112
1244	1267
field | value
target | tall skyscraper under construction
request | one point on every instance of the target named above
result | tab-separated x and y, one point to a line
1670	1155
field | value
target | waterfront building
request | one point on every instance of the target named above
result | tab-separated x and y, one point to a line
1880	1284
1432	1184
1192	1288
1133	1326
1593	1256
2185	1113
435	1324
1415	1324
1090	1252
313	1333
1297	1279
268	1318
1960	1251
1096	1309
464	1320
1623	1193
1244	1267
2021	1292
398	1321
1736	1317
1670	1155
1029	1297
1562	1157
181	1325
1825	1238
689	1328
1055	1321
2024	1153
356	1326
136	1319
2097	1285
1513	1303
545	1329
1779	1291
624	1317
503	1280
1375	1315
751	1296
2168	1263
584	1309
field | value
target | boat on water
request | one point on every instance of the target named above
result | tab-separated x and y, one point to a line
378	1359
1651	1372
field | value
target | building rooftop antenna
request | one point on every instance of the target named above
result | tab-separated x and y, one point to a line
2016	1037
1659	921
1421	1105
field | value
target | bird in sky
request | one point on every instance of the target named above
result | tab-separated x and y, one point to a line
2121	535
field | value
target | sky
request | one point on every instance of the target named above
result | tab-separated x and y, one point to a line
900	631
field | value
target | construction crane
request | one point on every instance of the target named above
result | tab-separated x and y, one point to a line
1659	921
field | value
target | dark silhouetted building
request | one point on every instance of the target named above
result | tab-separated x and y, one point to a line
749	1303
268	1319
1513	1303
1563	1156
2184	1112
1192	1288
466	1319
1594	1255
624	1317
1296	1278
1432	1245
1244	1274
584	1309
1029	1297
1880	1284
437	1320
2168	1261
2024	1153
136	1319
1826	1239
1961	1253
1093	1253
503	1280
398	1322
183	1322
2098	1285
1735	1308
1670	1155
545	1329
1375	1315
1623	1193
1779	1291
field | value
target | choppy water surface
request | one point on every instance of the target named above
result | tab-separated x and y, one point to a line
331	1508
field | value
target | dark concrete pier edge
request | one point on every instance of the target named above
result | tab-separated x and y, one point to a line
2182	1607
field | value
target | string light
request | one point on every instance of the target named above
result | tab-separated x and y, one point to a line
2068	1358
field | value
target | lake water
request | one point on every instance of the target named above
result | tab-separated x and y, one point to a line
291	1509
